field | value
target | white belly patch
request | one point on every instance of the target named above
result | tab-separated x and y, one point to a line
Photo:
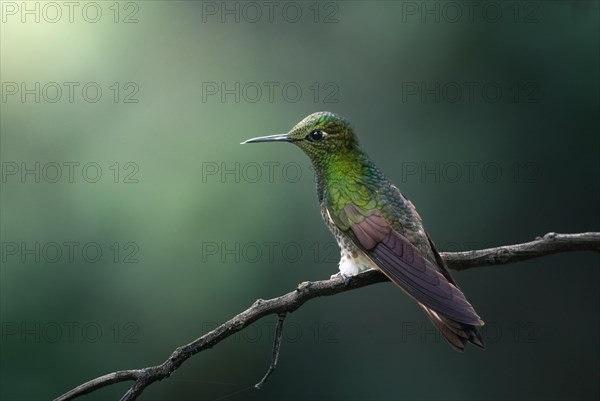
351	266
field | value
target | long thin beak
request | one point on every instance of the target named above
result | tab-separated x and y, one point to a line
270	138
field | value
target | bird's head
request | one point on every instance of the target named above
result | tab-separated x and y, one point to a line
320	135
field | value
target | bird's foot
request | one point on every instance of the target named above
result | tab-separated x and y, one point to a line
338	275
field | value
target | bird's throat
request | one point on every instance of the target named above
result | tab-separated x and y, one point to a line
342	170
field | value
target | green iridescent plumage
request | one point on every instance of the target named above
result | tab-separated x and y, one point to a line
377	227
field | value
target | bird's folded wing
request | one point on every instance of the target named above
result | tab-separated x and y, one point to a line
403	264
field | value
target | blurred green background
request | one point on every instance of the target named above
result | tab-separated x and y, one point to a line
486	117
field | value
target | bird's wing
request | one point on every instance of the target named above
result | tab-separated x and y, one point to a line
403	263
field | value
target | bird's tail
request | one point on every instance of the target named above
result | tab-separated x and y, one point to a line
456	333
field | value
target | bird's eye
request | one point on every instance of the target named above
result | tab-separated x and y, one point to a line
316	135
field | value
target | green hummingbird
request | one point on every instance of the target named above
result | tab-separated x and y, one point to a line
377	227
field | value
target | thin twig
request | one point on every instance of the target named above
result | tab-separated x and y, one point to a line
549	244
276	348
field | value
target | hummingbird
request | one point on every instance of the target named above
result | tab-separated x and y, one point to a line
377	227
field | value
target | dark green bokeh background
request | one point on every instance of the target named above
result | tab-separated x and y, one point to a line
375	343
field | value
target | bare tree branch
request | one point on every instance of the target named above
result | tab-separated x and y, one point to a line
541	246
